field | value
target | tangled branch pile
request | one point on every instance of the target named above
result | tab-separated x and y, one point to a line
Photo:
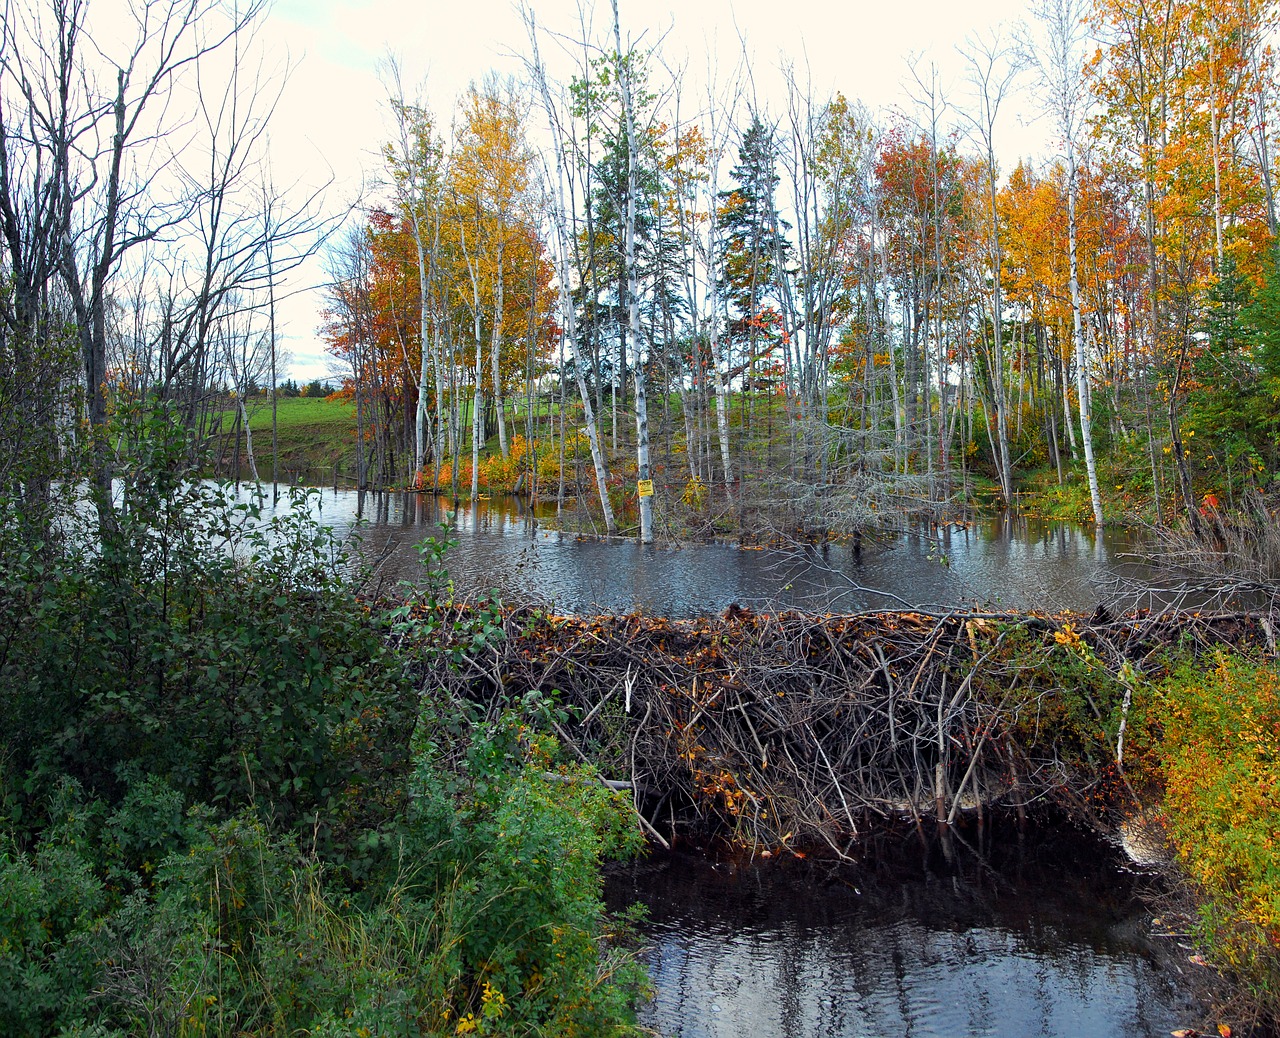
798	728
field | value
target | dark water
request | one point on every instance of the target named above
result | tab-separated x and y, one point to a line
1046	940
1006	563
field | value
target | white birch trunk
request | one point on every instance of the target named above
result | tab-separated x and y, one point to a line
564	245
1082	357
248	439
633	287
495	349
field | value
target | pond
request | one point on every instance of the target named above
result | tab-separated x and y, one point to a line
1004	562
1044	939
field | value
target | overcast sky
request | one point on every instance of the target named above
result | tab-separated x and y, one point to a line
332	116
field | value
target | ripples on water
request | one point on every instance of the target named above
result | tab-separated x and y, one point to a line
1004	563
1038	943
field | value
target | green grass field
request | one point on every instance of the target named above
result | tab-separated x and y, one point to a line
310	411
315	435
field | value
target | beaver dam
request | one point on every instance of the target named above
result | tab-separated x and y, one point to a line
800	729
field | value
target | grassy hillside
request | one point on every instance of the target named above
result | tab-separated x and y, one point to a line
315	435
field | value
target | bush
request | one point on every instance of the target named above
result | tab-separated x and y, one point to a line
206	742
518	855
192	639
1222	769
489	920
49	901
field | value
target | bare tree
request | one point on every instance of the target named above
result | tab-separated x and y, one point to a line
992	70
347	263
118	169
245	234
719	136
109	148
1059	59
245	354
37	360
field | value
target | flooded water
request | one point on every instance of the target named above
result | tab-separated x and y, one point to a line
1037	942
1004	563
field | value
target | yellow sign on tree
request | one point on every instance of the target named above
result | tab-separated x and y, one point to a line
645	486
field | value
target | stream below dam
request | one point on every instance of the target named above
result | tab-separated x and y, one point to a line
1035	940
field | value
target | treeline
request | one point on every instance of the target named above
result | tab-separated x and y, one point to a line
833	308
795	302
144	236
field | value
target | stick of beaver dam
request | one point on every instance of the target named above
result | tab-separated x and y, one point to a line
853	826
613	784
635	787
644	822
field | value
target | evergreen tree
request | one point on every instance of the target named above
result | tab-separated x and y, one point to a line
754	243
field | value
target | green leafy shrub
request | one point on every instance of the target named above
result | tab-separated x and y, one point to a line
206	747
49	900
1222	771
1068	712
519	846
223	653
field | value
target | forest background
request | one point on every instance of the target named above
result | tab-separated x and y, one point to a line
806	313
787	312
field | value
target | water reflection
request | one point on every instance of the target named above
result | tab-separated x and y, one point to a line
1046	942
1004	562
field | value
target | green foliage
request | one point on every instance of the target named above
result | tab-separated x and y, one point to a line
1045	498
1221	759
205	756
48	903
428	610
520	851
1070	712
1261	315
490	919
1231	412
223	653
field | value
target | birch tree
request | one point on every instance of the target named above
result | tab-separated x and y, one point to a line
1058	59
991	74
562	209
624	74
415	161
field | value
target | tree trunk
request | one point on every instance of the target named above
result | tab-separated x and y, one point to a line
1082	358
633	290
